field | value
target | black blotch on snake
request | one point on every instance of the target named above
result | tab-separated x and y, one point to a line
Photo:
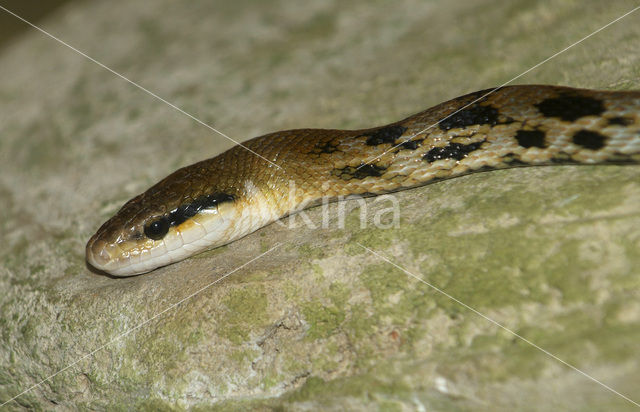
411	144
620	121
570	107
360	172
475	114
456	151
387	134
589	140
530	138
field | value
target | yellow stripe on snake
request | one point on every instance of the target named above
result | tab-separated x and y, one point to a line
218	200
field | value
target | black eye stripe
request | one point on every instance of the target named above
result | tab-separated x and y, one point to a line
189	210
183	213
158	228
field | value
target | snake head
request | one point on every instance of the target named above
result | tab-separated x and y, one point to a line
165	224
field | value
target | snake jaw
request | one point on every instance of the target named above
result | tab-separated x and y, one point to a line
119	252
127	261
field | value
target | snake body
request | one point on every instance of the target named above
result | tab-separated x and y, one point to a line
218	200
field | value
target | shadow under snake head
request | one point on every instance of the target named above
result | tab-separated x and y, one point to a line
172	220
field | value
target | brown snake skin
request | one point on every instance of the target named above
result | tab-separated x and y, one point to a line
218	200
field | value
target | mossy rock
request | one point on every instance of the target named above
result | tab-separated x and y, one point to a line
552	254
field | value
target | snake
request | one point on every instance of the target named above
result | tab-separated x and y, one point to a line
216	201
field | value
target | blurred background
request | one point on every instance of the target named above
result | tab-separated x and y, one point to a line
33	11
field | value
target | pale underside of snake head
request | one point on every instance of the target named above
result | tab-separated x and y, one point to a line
173	219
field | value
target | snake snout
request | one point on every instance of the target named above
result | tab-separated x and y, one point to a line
97	254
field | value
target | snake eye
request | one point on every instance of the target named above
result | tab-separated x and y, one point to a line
157	229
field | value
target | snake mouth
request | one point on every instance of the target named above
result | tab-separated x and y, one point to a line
125	256
108	258
129	258
111	259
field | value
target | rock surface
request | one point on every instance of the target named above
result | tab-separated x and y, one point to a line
552	254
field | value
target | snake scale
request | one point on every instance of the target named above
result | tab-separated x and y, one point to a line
218	200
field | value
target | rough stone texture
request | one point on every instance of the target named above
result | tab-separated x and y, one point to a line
551	253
